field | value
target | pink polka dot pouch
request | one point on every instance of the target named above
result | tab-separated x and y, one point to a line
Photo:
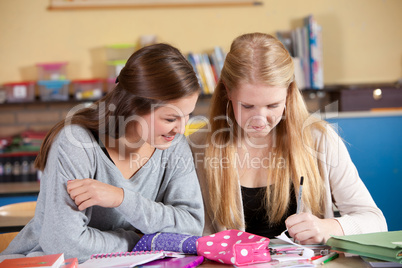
234	247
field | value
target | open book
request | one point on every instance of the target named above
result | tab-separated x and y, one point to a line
126	259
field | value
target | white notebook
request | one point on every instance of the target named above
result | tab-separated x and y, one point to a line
126	259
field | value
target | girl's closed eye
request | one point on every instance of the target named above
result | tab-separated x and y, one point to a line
245	106
171	120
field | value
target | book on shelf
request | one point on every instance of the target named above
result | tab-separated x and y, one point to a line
315	52
214	69
385	246
127	259
191	59
220	56
306	55
199	70
207	67
305	44
18	167
209	75
45	261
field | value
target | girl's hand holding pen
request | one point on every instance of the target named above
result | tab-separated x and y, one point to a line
88	192
309	229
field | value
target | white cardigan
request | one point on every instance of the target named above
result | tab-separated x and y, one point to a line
344	188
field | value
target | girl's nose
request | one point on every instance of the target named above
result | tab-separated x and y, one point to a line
181	125
258	121
261	117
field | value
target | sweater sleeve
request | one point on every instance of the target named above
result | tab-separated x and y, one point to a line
65	228
359	213
179	207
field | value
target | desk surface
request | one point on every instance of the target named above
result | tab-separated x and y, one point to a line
15	221
18	221
350	261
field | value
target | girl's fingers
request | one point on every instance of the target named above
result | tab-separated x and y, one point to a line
86	204
73	184
77	187
76	192
79	199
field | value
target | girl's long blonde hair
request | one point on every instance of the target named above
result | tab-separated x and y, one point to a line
261	58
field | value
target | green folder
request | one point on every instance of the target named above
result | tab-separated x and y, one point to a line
385	246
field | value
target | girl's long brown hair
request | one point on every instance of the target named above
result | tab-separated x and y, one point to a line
152	75
261	58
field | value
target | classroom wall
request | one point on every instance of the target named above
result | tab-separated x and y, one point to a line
361	38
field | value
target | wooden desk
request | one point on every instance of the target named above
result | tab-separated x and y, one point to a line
15	221
349	261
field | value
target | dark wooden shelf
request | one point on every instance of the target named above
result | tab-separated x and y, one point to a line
39	101
19	188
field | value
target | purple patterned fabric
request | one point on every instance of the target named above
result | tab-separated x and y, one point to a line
169	242
145	243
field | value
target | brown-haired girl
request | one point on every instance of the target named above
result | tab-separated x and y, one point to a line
121	166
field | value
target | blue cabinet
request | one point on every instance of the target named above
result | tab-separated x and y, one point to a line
16	192
374	141
17	199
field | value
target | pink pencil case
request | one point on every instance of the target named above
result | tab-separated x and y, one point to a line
234	247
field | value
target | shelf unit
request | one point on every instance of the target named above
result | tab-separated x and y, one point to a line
357	130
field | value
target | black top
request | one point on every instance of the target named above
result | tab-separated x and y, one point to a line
255	212
96	136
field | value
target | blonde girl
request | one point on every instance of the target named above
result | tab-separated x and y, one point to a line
258	143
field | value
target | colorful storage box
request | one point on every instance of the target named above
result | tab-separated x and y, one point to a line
52	71
88	89
20	91
53	90
119	51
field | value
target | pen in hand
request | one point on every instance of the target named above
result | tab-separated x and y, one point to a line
299	200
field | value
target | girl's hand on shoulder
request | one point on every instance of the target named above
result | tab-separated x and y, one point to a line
88	192
309	229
